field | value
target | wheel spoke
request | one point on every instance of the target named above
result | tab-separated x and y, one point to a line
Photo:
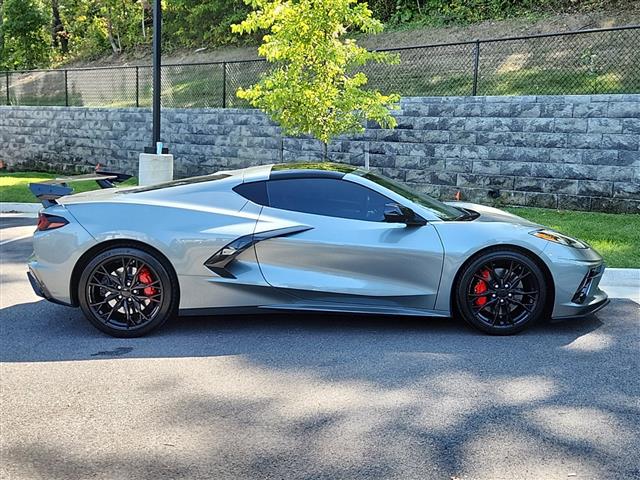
508	315
138	308
113	279
117	305
145	285
492	272
106	299
102	285
126	311
521	292
480	295
151	298
488	304
137	274
526	307
521	277
480	277
496	316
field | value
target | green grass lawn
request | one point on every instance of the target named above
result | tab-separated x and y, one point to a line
615	236
14	187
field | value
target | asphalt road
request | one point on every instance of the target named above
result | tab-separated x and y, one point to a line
312	396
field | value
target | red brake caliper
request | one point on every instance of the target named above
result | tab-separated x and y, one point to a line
146	278
481	287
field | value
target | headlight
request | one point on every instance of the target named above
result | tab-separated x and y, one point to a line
559	238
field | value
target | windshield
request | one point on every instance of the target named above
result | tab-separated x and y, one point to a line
439	209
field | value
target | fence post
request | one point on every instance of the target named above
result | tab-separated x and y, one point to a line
7	85
137	86
224	84
66	89
476	63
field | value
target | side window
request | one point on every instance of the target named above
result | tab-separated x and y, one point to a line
327	196
254	191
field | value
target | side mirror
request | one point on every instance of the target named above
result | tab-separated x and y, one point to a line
395	213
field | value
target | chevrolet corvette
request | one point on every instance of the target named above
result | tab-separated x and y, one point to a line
300	237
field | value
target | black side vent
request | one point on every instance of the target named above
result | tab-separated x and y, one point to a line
583	290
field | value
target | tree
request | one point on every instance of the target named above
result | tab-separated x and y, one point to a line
25	30
316	86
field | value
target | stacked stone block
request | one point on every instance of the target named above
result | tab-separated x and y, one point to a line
572	152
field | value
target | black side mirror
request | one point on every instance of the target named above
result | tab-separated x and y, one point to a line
395	213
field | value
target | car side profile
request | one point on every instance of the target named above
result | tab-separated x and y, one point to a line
304	237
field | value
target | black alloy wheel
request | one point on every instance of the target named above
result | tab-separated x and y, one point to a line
502	292
127	292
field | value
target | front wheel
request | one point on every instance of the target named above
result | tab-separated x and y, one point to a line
501	292
127	292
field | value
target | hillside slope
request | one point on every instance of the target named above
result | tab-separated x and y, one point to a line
406	37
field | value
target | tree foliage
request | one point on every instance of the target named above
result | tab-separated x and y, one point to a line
25	34
185	21
35	32
316	86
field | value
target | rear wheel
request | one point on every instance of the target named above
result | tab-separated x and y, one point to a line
501	292
127	292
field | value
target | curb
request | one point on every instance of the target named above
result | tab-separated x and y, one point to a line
15	207
628	277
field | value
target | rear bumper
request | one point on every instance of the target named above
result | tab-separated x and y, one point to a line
40	289
55	255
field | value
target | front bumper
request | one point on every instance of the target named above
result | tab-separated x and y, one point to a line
577	288
585	310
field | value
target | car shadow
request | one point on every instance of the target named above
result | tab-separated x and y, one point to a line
41	331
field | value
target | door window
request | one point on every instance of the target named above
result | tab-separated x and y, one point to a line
327	196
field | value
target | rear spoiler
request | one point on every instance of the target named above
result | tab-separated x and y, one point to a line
48	191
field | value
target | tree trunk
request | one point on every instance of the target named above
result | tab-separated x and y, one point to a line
59	35
324	151
112	41
147	16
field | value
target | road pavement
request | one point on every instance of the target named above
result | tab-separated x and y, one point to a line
312	396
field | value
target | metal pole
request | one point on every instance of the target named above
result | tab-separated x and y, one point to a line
7	84
157	53
476	62
224	85
137	86
66	89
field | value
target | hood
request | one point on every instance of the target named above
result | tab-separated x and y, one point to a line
490	214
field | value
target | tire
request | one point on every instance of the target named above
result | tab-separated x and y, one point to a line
501	292
127	292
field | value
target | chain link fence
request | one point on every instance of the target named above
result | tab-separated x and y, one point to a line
582	62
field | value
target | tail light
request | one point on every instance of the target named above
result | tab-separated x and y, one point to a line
50	222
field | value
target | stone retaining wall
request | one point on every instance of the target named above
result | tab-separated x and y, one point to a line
574	152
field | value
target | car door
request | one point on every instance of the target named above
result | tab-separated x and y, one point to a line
350	255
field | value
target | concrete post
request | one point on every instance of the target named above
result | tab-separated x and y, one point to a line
155	168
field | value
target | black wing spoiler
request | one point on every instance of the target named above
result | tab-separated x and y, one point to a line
48	191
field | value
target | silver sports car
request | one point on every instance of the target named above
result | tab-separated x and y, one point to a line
316	237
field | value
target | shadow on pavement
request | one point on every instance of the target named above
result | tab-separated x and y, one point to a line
41	331
319	396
